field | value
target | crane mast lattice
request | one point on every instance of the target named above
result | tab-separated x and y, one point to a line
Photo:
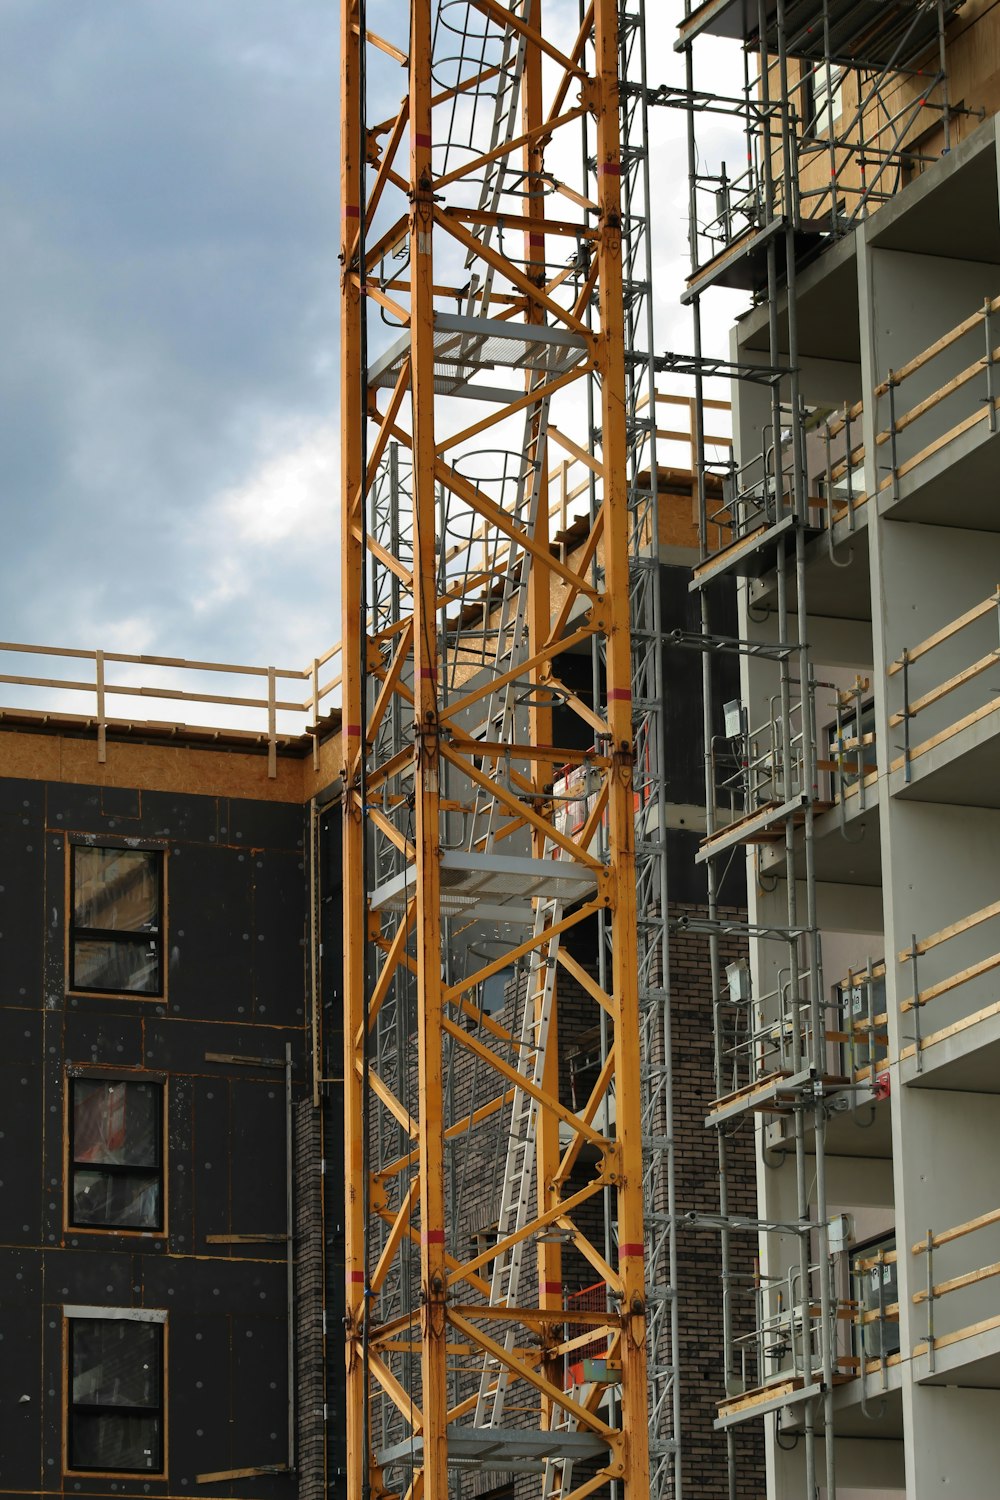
496	765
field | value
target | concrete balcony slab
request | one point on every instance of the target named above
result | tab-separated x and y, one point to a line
953	486
959	765
963	1056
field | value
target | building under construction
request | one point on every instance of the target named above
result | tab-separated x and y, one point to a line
615	902
852	769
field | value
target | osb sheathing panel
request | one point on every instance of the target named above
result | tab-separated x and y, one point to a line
220	772
678	518
973	61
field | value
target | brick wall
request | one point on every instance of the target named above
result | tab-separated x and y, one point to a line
309	1276
699	1265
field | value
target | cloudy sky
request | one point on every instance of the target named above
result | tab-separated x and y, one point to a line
168	366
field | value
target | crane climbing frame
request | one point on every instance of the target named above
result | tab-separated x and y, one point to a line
535	266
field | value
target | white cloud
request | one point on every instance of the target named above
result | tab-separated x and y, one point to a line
294	496
264	553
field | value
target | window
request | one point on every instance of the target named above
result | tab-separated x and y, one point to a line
493	991
823	100
115	1149
115	1395
117	900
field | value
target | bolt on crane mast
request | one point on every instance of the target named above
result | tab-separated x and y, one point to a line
456	821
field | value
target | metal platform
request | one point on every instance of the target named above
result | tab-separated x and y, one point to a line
778	1093
503	1448
759	827
766	1398
494	887
750	556
465	348
742	264
863	33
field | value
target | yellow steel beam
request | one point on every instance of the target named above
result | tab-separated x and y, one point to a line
427	764
353	416
625	995
433	681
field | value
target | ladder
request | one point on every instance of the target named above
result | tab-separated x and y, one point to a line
558	1477
519	1165
505	105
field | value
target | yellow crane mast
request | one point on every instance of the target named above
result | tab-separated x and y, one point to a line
482	314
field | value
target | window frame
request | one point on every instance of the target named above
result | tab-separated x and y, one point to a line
85	1314
124	936
76	1074
823	106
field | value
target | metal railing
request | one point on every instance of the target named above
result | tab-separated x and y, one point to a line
770	1037
760	492
876	1308
785	1345
754	767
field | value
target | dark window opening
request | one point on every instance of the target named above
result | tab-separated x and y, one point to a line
116	1158
115	1395
117	922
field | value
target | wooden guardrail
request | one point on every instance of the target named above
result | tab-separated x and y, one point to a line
933	1290
870	1028
100	688
985	411
922	996
900	422
845	423
912	707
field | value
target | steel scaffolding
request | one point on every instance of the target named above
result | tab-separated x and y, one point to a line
833	118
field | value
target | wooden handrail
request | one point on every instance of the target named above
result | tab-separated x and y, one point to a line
950	685
130	690
935	398
958	1232
896	377
153	661
851	462
103	689
851	413
944	634
974	971
888	1258
956	1283
674	435
983	414
853	978
945	934
889	1313
672	399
